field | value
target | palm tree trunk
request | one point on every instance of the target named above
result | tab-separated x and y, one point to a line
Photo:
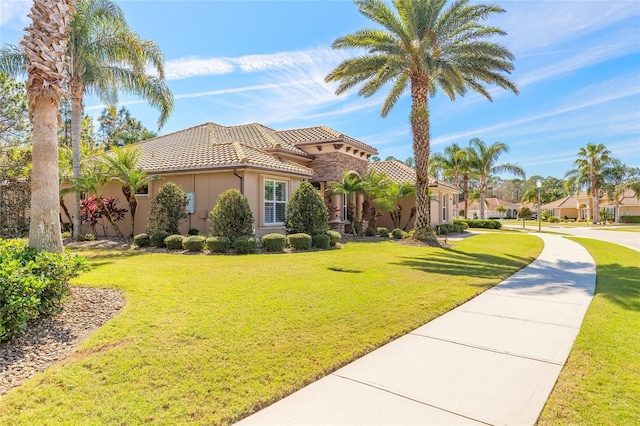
466	194
421	151
76	125
64	208
483	187
133	206
44	229
594	195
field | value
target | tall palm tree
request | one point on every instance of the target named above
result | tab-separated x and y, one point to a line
588	167
123	168
106	56
452	164
618	179
484	158
350	186
45	45
423	46
390	200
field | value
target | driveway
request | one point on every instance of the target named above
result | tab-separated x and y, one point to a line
627	239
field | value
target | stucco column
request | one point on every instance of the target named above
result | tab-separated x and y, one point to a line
359	201
336	204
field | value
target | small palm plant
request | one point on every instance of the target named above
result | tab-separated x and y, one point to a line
350	186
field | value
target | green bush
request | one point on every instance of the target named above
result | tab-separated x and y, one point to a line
334	237
217	244
370	232
383	232
86	237
554	219
193	231
66	235
479	223
194	243
321	241
245	245
300	241
397	233
274	242
231	217
174	242
306	211
32	283
157	239
168	209
629	219
142	240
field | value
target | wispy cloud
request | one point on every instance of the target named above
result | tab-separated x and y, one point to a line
13	13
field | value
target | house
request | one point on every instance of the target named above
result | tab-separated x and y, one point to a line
580	206
264	164
442	196
490	206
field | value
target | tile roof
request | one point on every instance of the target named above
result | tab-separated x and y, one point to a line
491	203
320	134
566	202
211	146
399	172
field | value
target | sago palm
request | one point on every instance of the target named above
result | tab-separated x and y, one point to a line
483	159
123	168
587	172
424	46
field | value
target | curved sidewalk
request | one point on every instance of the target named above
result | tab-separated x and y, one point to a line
493	360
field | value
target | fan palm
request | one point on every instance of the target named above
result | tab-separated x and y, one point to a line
588	167
123	168
484	158
423	46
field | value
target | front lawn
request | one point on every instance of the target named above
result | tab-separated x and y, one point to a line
211	339
600	384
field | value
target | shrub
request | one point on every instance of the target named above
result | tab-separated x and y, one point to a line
630	219
86	237
174	242
217	244
554	219
479	223
194	243
524	213
274	242
142	240
300	241
157	239
334	237
444	229
193	231
370	232
245	245
32	283
306	211
231	217
168	209
66	235
383	232
321	241
397	233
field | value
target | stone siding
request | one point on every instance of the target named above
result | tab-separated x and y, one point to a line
330	166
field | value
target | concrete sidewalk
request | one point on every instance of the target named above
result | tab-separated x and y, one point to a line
493	360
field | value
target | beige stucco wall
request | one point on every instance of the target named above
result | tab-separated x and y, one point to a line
436	210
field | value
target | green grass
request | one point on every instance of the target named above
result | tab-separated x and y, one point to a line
600	384
211	339
628	228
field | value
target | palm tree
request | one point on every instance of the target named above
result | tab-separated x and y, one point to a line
453	165
45	45
483	159
618	179
374	183
123	167
589	164
502	210
391	199
350	186
424	45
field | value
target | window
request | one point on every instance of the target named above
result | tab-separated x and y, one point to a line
275	201
444	208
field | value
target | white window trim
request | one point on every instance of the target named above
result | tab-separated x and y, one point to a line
266	179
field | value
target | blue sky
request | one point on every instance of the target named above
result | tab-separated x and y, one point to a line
233	62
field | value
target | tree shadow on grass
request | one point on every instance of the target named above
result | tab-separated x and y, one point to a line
620	285
455	263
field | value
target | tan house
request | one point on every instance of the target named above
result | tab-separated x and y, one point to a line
441	193
581	206
490	209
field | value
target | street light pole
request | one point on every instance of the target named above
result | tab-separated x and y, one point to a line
539	185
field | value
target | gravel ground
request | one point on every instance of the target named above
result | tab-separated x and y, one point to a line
48	341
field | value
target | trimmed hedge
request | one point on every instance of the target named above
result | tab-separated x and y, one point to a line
300	241
321	241
334	237
193	231
157	239
370	232
194	243
245	245
450	228
142	240
274	243
629	219
174	242
217	244
398	233
383	232
32	284
478	223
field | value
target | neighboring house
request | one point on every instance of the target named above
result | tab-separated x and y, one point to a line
580	206
628	205
490	206
441	194
264	164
